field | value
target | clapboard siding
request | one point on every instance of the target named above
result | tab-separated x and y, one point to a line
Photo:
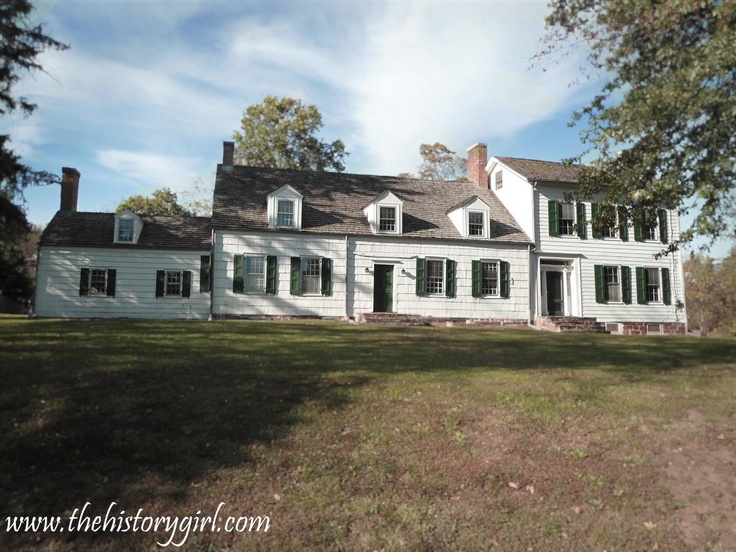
613	252
352	286
59	270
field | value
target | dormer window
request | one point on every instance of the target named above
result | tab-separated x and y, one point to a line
285	209
126	230
476	226
128	227
387	219
285	213
385	214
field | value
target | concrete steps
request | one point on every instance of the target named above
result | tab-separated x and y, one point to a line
570	324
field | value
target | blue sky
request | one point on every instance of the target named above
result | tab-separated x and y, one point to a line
150	89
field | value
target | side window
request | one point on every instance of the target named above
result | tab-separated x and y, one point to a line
436	277
173	283
97	282
311	276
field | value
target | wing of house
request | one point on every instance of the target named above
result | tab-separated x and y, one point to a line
508	246
613	273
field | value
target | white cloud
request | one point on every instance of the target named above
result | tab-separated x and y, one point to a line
148	171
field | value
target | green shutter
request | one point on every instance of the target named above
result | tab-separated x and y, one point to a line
600	284
553	208
595	208
271	272
666	287
186	284
626	284
111	278
238	278
326	276
477	269
205	265
582	221
623	223
662	221
641	285
639	226
160	282
450	267
421	281
295	281
505	269
84	282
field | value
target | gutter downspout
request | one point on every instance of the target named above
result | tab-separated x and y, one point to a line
212	276
347	275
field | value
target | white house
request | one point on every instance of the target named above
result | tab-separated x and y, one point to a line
501	248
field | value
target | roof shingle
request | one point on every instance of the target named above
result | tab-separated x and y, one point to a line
548	171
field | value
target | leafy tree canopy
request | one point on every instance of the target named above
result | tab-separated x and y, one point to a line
162	202
15	279
664	123
20	44
710	288
440	163
281	133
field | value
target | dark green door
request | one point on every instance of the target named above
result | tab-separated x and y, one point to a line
555	302
383	288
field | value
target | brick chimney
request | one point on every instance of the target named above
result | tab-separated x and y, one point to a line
69	189
477	160
228	153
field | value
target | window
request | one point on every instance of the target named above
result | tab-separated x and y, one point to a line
605	221
205	270
499	180
612	284
653	285
126	230
650	226
610	230
435	277
387	219
254	274
98	282
563	217
491	279
475	224
285	213
173	283
567	219
311	276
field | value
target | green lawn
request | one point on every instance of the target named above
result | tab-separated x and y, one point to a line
368	437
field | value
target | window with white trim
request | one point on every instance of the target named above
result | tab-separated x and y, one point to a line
435	277
311	275
98	282
653	285
173	283
476	226
650	225
254	274
612	283
610	230
499	179
126	230
387	219
489	278
567	219
285	213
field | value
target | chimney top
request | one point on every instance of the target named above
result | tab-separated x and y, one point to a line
228	153
69	189
477	160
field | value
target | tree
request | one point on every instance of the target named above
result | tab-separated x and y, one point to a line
440	163
197	199
20	44
162	202
281	133
664	123
710	288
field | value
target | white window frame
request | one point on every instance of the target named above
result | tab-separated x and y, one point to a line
250	278
285	194
656	290
499	179
284	213
563	228
611	232
443	276
124	235
497	264
608	284
126	230
381	219
168	275
483	233
90	289
305	262
650	232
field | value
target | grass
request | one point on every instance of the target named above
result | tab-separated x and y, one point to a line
356	437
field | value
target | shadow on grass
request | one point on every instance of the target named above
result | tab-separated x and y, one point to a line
131	411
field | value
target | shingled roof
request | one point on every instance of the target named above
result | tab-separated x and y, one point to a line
82	229
334	202
546	171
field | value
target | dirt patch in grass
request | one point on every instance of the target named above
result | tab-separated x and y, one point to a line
698	466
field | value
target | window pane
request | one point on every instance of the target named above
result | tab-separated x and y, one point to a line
254	274
489	281
285	213
387	222
310	275
610	230
98	281
653	284
475	224
173	283
125	230
435	277
613	288
650	227
567	219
